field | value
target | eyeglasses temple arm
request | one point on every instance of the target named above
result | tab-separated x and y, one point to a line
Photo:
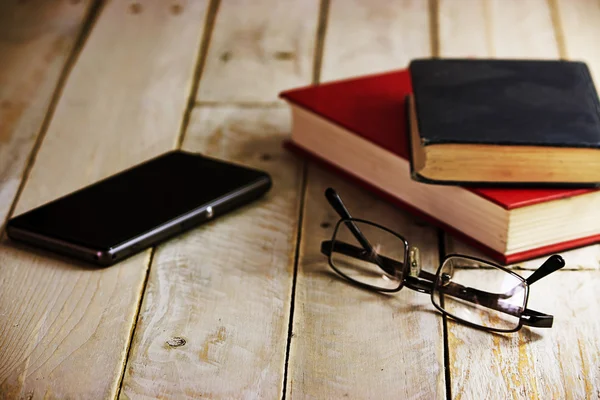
536	319
553	263
338	205
386	264
336	202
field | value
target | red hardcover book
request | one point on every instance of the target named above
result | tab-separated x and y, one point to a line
359	128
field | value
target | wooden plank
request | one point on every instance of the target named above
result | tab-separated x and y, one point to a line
561	362
496	28
257	49
65	327
558	363
464	28
348	342
480	30
578	25
522	29
224	287
36	39
374	36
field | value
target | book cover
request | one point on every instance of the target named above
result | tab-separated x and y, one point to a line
373	108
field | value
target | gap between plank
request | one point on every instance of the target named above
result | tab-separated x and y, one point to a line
434	32
135	322
240	104
447	375
90	20
317	61
209	24
489	28
207	30
288	346
320	40
434	27
559	35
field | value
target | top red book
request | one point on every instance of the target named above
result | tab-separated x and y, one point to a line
359	126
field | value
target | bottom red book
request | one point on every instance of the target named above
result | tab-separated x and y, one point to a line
358	127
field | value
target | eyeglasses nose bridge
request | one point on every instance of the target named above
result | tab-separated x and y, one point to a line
414	261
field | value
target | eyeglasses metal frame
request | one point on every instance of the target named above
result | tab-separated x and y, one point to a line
426	282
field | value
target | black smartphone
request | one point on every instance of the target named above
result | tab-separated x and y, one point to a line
121	215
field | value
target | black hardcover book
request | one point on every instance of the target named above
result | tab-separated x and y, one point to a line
507	122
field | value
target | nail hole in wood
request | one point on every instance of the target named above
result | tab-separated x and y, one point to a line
325	225
226	56
176	341
265	157
135	8
284	55
176	9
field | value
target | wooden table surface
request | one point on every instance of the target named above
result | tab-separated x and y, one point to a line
246	306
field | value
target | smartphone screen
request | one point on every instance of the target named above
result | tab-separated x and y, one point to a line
137	200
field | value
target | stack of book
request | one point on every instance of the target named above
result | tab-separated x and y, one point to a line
504	154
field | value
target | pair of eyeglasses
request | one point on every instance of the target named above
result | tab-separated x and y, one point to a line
472	291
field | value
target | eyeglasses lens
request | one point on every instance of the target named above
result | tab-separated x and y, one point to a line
480	293
367	254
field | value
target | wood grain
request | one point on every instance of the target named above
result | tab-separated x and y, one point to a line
496	28
257	49
560	362
214	320
374	36
226	286
464	28
348	342
522	29
506	29
36	39
65	327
